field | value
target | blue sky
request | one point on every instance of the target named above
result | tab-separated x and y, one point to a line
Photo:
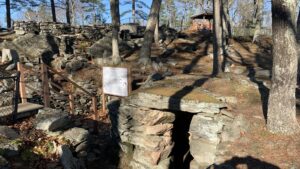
16	15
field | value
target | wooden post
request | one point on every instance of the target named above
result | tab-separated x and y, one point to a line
103	104
22	83
94	108
71	100
45	85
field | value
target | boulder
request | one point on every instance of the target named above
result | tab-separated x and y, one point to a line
76	135
102	48
34	47
8	133
9	148
49	119
9	55
4	164
67	159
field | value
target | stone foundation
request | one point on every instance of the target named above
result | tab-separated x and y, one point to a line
157	129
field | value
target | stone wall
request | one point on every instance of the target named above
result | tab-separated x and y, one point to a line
74	39
57	29
146	127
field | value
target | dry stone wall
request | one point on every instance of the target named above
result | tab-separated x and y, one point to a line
73	39
144	125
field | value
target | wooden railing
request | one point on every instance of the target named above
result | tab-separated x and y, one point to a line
44	73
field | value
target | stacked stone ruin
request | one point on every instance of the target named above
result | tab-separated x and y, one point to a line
75	39
145	123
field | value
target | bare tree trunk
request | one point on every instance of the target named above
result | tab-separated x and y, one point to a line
94	15
68	11
115	14
53	10
181	23
226	18
258	18
73	7
133	11
145	52
281	116
156	32
298	25
218	57
8	16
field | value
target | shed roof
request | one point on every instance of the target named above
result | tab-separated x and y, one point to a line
205	15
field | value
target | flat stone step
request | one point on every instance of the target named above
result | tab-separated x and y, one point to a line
176	99
24	110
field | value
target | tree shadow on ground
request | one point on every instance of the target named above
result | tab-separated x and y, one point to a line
245	162
188	68
263	90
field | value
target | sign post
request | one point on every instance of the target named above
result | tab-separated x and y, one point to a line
116	81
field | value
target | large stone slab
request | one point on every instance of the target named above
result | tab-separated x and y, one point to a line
159	129
144	116
151	143
206	128
151	157
203	151
176	99
165	164
49	119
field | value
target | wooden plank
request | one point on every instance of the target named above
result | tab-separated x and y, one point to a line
28	107
94	108
24	110
69	80
45	85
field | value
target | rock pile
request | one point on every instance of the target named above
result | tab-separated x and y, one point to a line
23	27
55	29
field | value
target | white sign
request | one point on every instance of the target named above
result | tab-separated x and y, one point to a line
115	81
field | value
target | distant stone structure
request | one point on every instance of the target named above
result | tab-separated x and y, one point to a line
201	21
57	29
74	39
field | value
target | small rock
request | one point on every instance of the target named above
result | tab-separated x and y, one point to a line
76	135
67	159
81	147
50	119
4	164
9	148
8	133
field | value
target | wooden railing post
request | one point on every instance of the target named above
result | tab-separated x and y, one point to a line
45	85
94	108
71	100
22	83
